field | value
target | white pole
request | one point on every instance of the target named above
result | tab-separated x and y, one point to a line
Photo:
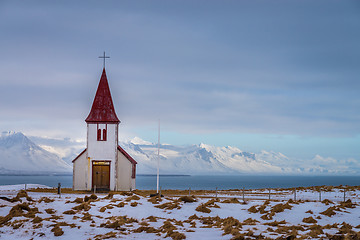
158	161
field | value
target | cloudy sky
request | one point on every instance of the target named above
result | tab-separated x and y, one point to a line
274	75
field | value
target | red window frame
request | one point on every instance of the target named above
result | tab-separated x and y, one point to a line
101	133
104	135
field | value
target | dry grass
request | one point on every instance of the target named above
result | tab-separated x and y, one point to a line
146	229
203	208
347	204
309	220
133	197
212	203
19	210
134	204
83	206
69	212
57	231
106	236
231	200
275	223
188	199
280	207
176	235
250	221
118	222
45	199
90	198
120	204
253	209
169	205
50	211
330	211
155	200
109	196
78	200
171	228
86	217
152	219
327	202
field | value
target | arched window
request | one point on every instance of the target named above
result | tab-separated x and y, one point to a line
104	135
99	134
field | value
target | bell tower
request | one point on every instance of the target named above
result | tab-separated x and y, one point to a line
102	138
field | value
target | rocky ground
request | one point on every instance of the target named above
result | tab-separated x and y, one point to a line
42	214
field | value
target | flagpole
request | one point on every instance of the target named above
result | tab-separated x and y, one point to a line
158	161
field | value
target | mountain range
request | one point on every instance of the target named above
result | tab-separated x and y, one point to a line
21	154
18	154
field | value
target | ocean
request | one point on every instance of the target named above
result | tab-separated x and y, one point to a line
146	182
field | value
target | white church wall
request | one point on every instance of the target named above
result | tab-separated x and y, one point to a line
103	150
80	172
125	182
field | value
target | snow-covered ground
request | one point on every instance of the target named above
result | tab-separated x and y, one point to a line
43	215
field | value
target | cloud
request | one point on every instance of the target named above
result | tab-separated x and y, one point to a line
269	68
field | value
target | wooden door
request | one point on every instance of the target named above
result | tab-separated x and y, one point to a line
101	176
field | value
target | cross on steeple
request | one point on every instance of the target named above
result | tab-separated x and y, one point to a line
104	58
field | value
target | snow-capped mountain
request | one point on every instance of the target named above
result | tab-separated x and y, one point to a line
21	154
18	154
197	159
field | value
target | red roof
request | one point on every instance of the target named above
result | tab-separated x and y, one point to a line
102	109
126	155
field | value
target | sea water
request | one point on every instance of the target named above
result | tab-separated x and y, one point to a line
208	182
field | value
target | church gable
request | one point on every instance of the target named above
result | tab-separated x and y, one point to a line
80	155
127	155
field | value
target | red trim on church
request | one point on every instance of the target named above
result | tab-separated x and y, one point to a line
102	109
79	155
126	155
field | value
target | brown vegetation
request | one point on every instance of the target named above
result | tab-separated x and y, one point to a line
169	205
133	197
188	199
231	200
203	208
46	200
309	220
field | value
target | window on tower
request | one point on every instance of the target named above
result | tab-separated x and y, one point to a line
101	132
104	135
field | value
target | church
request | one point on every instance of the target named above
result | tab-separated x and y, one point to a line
103	165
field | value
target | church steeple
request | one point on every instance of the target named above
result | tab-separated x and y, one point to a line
102	110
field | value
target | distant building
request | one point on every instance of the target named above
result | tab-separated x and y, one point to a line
103	165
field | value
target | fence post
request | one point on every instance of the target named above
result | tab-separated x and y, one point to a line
320	195
269	193
59	189
243	194
344	194
189	191
216	192
25	186
295	194
94	189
